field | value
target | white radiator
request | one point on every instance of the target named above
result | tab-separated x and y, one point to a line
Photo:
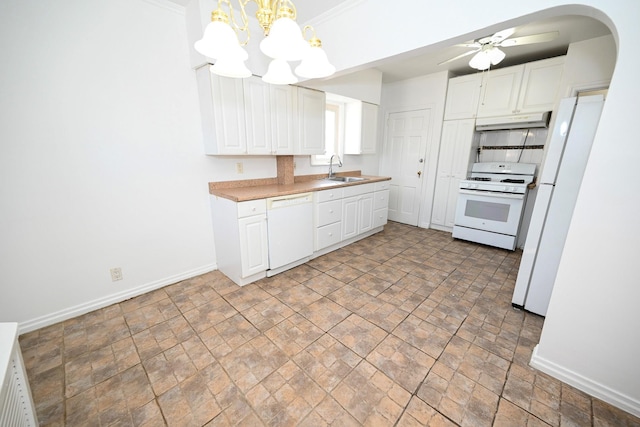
16	404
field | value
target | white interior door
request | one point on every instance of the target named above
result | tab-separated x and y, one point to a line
404	160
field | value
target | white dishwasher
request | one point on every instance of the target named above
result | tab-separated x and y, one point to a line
289	230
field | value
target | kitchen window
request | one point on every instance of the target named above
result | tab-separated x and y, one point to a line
335	118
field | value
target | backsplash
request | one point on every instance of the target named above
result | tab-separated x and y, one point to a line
493	140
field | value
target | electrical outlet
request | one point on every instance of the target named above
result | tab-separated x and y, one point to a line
239	167
116	274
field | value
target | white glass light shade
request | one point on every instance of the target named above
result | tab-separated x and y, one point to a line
284	41
228	67
279	73
315	64
220	41
480	61
496	55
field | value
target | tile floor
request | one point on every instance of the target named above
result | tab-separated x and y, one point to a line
407	327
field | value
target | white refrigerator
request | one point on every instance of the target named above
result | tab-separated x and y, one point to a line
558	185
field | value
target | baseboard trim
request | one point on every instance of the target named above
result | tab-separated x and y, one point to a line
68	313
585	384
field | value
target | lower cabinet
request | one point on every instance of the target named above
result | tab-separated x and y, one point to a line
357	213
457	150
381	204
240	231
341	216
344	215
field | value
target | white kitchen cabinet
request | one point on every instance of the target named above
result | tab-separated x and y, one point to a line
540	85
282	99
240	233
463	94
357	210
328	218
381	203
311	117
457	150
500	89
223	114
258	115
527	88
361	128
270	112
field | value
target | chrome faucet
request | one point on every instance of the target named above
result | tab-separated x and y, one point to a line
331	164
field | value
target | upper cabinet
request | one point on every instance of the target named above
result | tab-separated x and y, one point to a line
527	88
249	116
283	118
311	110
222	102
463	94
361	128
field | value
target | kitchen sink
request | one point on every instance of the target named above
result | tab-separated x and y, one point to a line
346	178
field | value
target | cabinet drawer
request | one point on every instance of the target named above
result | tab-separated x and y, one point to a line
355	190
383	185
329	212
380	217
328	235
326	195
381	199
252	207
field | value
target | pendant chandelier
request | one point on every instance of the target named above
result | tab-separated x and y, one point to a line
284	42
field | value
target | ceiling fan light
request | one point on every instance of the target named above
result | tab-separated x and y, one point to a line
315	64
496	55
279	73
284	41
480	61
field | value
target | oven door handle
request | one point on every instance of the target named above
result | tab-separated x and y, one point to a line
514	196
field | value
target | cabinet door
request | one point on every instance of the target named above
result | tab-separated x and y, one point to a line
500	89
254	251
229	118
283	118
369	136
349	217
463	94
258	115
540	85
365	213
456	154
311	110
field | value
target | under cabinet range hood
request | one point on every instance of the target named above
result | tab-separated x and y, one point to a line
521	121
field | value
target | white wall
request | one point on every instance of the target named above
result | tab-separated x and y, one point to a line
101	161
426	92
590	333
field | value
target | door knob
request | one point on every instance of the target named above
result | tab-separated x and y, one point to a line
419	174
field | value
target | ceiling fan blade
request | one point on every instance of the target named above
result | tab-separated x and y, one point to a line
535	38
459	56
501	35
471	45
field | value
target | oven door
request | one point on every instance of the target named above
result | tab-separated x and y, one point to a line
495	212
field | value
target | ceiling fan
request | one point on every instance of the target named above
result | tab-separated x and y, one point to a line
487	52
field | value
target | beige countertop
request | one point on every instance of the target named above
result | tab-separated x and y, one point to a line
241	191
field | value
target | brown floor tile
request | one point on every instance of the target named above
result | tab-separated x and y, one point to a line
294	334
327	361
407	327
401	362
325	313
423	335
358	334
